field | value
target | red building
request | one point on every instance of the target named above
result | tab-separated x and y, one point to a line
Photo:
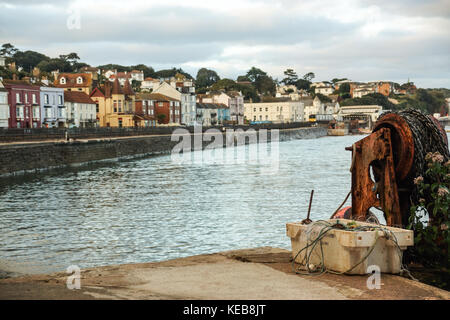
145	111
24	103
165	109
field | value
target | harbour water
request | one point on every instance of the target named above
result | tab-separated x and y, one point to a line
153	209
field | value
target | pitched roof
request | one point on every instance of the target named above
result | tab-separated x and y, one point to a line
94	69
234	94
76	96
212	106
8	82
71	80
154	96
127	89
116	89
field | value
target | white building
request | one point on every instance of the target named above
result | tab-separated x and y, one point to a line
362	90
185	94
234	100
320	108
136	75
149	84
373	111
323	88
81	110
276	112
53	111
4	107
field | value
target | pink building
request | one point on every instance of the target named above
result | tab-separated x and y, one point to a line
24	104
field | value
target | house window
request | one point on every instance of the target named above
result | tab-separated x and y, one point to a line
34	98
79	80
254	118
160	104
254	109
48	112
115	105
267	109
46	98
62	80
36	112
120	105
17	97
60	100
97	108
26	97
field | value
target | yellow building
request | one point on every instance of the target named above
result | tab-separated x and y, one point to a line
79	82
116	105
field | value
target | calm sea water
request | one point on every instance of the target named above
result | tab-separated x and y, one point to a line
153	209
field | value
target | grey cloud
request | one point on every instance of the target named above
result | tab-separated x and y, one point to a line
165	36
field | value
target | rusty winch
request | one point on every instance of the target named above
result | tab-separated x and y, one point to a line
385	163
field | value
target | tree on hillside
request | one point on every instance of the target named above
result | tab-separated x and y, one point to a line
242	79
303	84
8	50
205	78
291	77
70	58
148	71
224	84
112	66
309	76
254	73
136	85
323	98
28	59
265	85
334	80
344	88
432	101
169	73
371	99
51	65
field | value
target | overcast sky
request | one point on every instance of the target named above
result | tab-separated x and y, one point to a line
362	40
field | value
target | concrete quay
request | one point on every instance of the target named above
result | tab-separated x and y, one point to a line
249	274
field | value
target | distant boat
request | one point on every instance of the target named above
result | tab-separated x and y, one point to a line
337	128
338	132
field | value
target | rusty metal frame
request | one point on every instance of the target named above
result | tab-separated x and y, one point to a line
376	152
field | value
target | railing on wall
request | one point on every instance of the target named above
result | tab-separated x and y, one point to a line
46	134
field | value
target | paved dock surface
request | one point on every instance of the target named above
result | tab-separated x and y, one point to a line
259	274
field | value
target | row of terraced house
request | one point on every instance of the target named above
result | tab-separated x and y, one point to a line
79	100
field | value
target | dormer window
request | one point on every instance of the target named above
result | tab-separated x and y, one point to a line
79	80
62	80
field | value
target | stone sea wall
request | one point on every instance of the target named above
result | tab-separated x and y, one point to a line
33	157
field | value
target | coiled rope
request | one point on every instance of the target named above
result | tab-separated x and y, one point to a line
325	227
